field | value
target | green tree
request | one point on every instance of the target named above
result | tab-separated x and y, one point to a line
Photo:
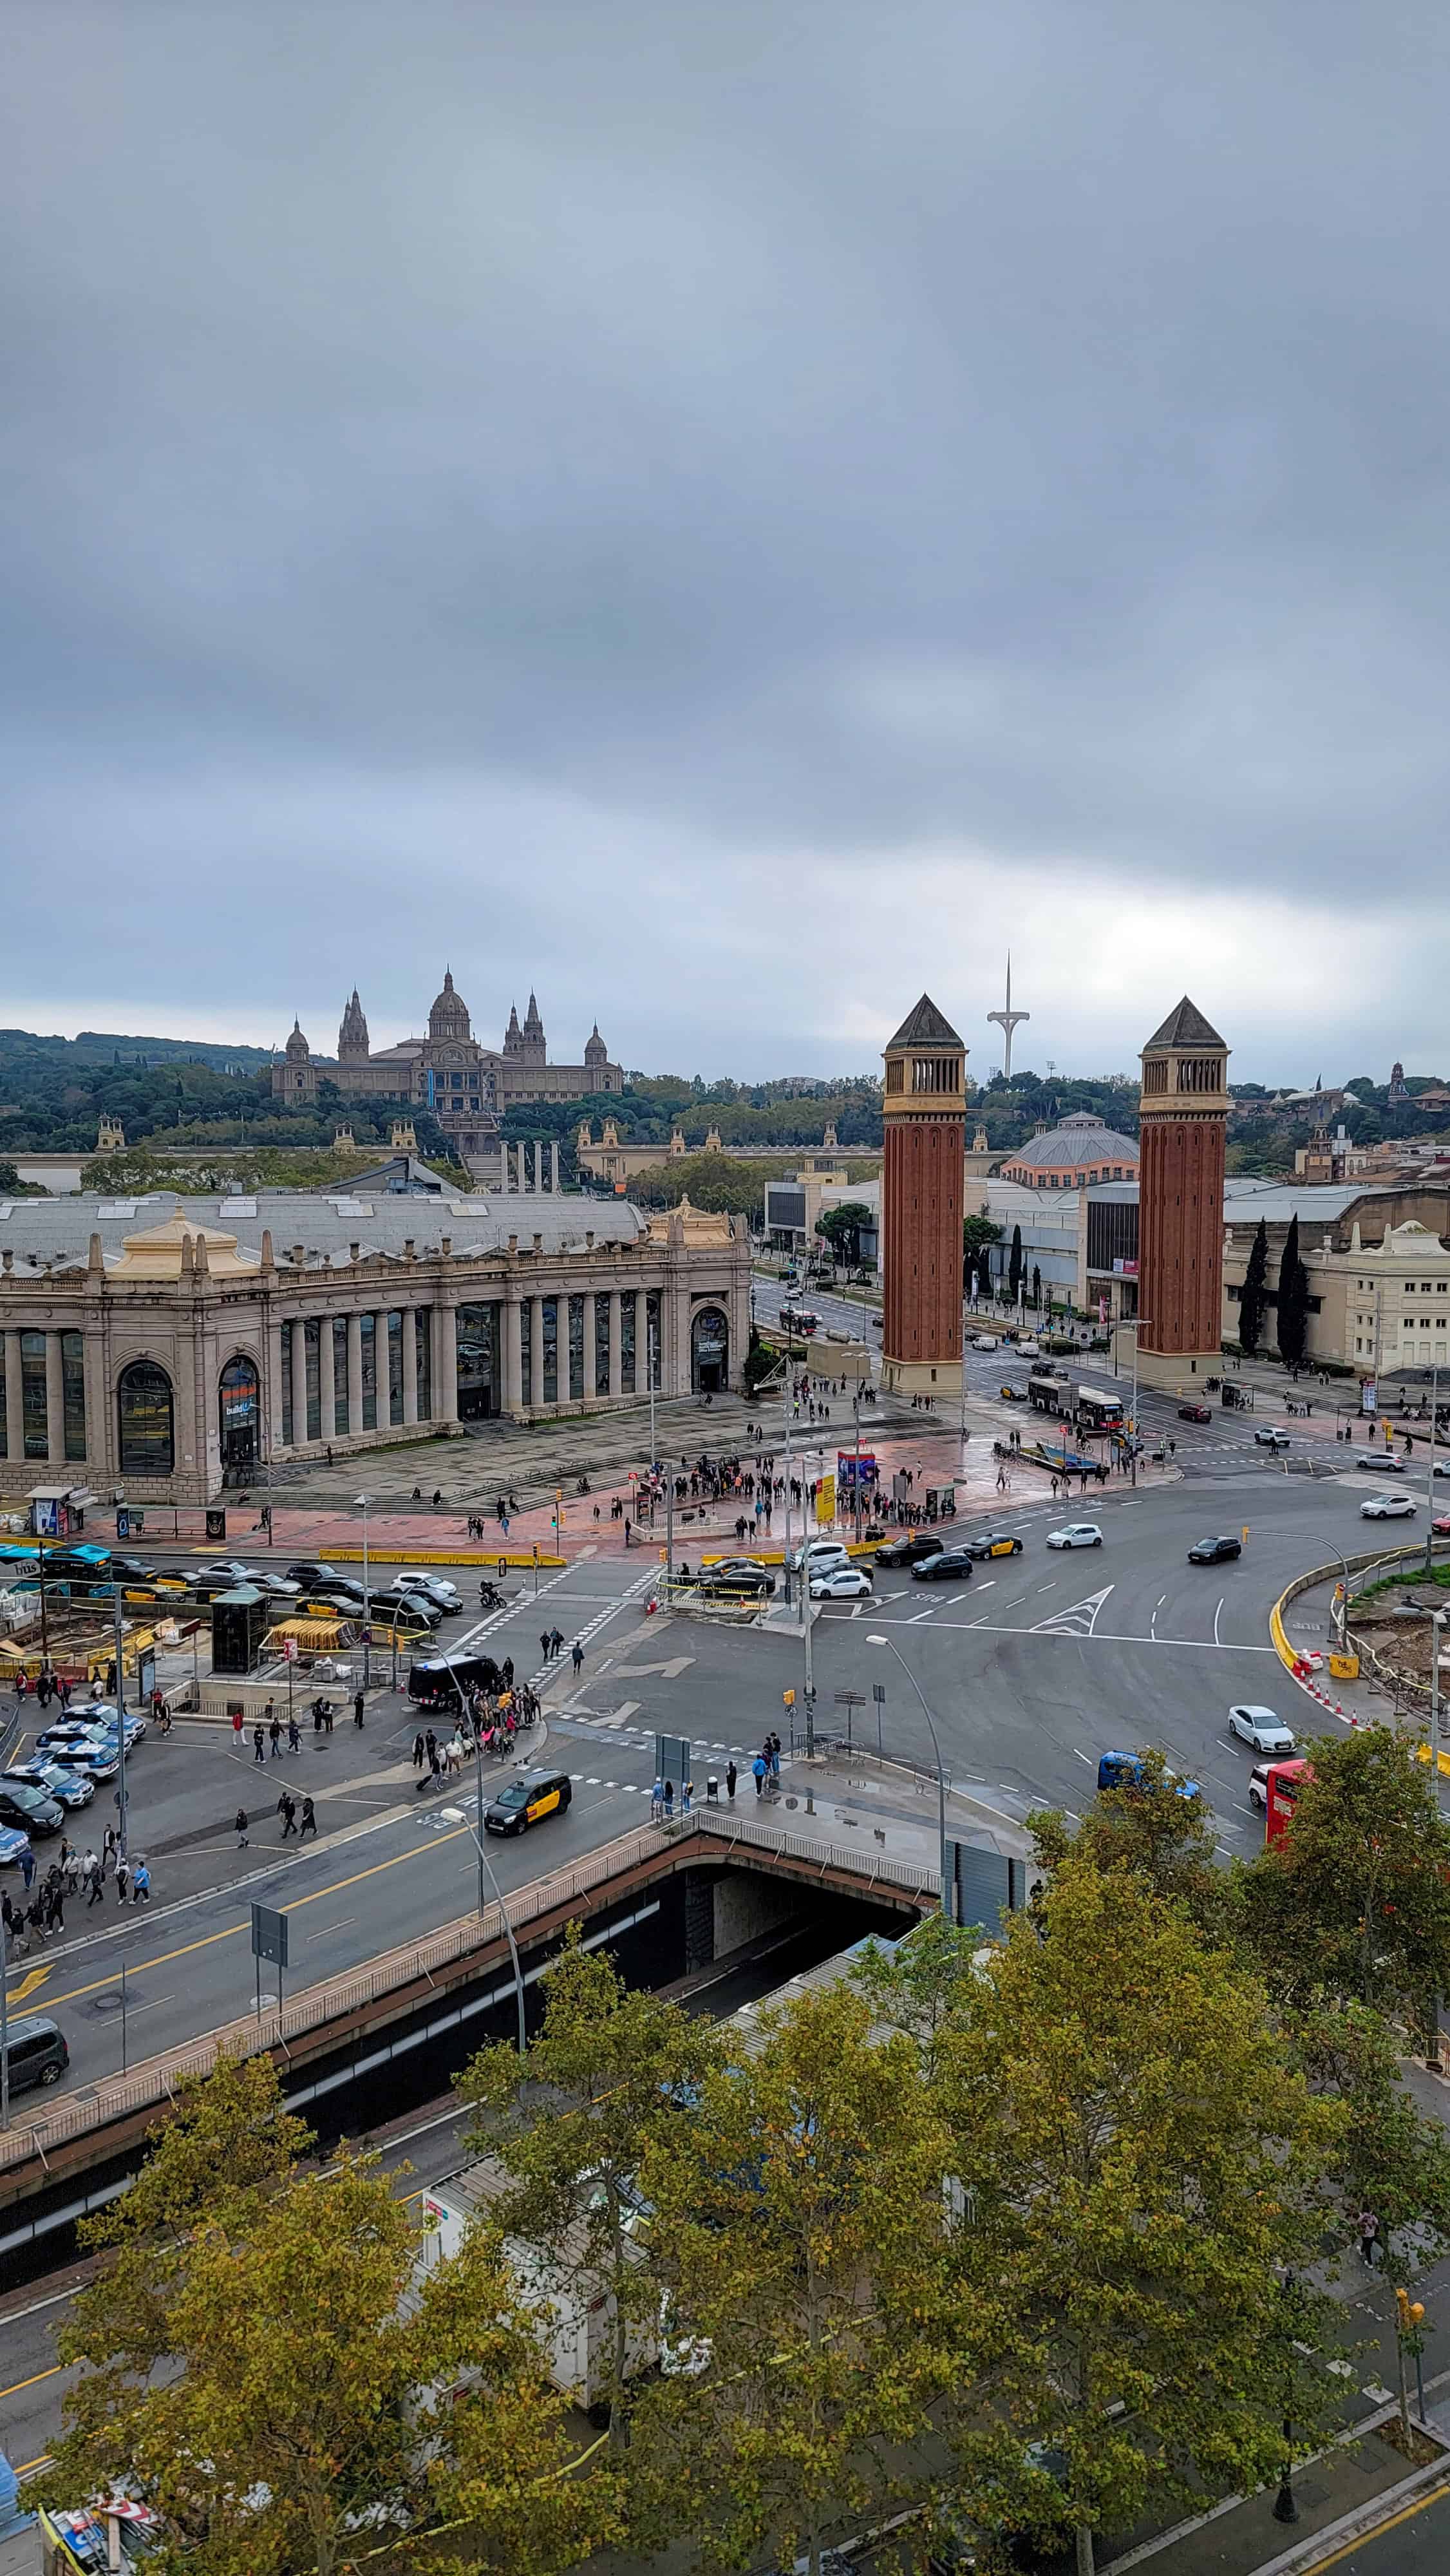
620	2070
1014	1264
266	2369
841	1228
1252	1298
1036	1288
1140	2163
1293	1299
801	2223
978	1234
1169	1842
1353	1904
921	1985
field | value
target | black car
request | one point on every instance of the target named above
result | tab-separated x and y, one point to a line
949	1565
529	1797
738	1578
310	1570
1194	1413
33	1810
1214	1551
432	1683
911	1550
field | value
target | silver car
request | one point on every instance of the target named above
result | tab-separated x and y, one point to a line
1260	1728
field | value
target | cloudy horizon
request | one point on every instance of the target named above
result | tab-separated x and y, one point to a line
728	517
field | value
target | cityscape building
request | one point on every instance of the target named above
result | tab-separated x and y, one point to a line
466	1085
924	1108
1183	1124
168	1348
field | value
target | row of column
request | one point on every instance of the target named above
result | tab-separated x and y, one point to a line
289	1351
15	1401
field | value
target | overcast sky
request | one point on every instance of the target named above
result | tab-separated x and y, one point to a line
730	513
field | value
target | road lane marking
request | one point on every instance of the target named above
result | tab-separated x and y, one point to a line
917	1618
340	1925
1084	1757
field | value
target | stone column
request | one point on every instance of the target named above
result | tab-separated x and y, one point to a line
641	1343
538	1166
554	1167
276	1351
616	1346
326	1381
678	1306
54	1402
383	1370
536	1352
445	1393
410	1366
354	1376
512	1390
14	1399
298	1364
590	1328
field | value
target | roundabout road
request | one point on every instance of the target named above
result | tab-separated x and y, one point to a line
1046	1660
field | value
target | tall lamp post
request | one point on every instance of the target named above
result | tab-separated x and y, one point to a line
941	1786
362	1501
485	1865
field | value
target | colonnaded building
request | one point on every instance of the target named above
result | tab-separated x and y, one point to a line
172	1347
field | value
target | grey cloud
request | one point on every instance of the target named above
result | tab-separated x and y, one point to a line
511	481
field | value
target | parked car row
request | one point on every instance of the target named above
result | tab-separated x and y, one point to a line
62	1773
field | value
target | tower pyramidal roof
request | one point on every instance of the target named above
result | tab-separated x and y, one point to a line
1186	1027
925	1026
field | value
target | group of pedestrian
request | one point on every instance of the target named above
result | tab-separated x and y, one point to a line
49	1686
551	1645
287	1810
41	1910
765	1769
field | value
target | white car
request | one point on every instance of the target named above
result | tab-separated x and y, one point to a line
1388	1507
1029	1349
984	1342
1271	1437
821	1555
1262	1729
841	1583
1076	1534
444	1596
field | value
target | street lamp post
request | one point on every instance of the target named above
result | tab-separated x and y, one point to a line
941	1786
362	1501
485	1865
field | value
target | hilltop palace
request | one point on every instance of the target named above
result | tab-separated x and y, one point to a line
466	1086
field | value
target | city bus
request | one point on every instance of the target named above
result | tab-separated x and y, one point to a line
1097	1411
1281	1783
1048	1391
799	1319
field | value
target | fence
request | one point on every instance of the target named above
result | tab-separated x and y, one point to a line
121	2097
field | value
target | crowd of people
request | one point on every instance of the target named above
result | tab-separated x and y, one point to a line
40	1910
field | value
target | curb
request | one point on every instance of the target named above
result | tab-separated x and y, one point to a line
1285	1652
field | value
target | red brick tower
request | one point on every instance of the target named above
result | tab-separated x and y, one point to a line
1183	1109
925	1113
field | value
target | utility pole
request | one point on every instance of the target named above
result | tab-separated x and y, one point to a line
786	1402
120	1709
1430	1473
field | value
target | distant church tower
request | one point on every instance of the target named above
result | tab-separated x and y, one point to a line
513	1036
352	1035
1183	1119
533	1050
925	1113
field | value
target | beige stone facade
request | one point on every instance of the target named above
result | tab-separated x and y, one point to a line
1380	1303
168	1350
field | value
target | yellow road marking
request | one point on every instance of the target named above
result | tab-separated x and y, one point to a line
35	1977
1406	2514
75	1994
52	2373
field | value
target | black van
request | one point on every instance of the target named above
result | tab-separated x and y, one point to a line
37	2054
529	1797
431	1682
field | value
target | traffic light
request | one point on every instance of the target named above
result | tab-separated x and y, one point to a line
1411	2312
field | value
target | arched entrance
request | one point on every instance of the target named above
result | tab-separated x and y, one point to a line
709	1351
145	1420
239	1403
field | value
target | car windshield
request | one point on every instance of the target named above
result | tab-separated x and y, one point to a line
516	1795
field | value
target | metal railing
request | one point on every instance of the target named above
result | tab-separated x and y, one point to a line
120	2097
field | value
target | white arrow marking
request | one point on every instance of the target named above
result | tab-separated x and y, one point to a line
672	1670
1079	1619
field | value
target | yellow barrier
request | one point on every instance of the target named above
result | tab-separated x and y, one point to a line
1422	1754
484	1560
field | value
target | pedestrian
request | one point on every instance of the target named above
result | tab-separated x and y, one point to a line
294	1737
556	1642
123	1872
357	1710
287	1810
55	1903
95	1892
240	1829
657	1801
773	1749
731	1776
309	1820
258	1750
237	1729
669	1801
274	1733
27	1867
758	1769
418	1750
430	1748
108	1849
544	1643
1369	2228
687	1791
576	1657
141	1884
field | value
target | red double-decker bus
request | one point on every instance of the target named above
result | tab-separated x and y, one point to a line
1282	1786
